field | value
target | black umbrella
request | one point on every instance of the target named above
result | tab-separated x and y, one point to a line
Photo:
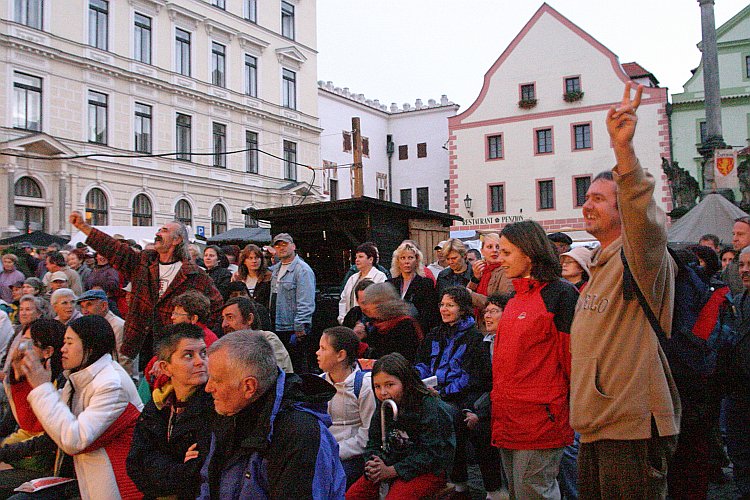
37	239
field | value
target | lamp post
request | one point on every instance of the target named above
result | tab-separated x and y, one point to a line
467	205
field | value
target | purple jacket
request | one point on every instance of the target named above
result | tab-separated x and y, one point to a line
7	279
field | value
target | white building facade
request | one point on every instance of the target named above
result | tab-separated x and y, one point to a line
688	107
530	144
199	82
405	153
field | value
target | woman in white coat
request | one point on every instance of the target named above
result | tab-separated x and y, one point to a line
353	405
93	416
365	258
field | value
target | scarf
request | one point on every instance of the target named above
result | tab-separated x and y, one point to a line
484	281
387	325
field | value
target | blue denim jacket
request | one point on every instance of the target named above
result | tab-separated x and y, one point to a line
295	296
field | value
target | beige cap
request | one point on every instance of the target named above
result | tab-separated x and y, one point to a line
58	276
582	255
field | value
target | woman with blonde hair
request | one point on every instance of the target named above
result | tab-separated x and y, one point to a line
488	276
252	271
408	277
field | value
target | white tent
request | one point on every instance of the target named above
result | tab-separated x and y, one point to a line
141	234
713	215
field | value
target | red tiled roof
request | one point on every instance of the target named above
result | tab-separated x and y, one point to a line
635	70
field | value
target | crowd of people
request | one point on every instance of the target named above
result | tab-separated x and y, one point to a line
164	372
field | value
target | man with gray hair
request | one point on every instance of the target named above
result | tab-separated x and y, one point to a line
157	276
270	438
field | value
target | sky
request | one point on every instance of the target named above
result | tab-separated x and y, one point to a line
402	50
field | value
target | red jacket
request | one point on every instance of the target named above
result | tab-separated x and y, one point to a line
531	367
148	312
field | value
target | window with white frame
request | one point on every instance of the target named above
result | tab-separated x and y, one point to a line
290	160
29	13
251	10
142	128
96	207
183	212
251	144
97	117
494	147
289	89
182	52
543	141
218	64
183	132
287	20
142	38
27	102
582	136
143	214
251	75
98	23
220	145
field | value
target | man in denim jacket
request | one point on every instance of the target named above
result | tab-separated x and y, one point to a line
292	300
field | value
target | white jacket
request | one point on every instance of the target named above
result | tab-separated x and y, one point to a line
351	416
104	394
347	299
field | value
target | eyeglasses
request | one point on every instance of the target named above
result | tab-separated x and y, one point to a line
180	314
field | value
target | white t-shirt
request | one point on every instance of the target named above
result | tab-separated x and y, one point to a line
167	272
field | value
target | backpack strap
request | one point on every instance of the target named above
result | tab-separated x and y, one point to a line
358	377
630	283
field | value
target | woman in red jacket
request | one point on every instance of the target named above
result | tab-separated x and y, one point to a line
531	364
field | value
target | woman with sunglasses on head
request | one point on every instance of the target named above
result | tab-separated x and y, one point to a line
531	364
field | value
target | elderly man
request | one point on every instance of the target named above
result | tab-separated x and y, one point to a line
270	438
292	300
157	276
239	313
95	302
740	240
56	263
624	401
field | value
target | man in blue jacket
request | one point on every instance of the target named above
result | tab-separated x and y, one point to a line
292	300
270	438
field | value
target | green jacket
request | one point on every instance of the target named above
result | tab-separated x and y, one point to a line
418	442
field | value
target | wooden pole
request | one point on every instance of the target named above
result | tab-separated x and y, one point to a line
357	182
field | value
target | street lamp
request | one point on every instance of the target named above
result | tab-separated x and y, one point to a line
467	204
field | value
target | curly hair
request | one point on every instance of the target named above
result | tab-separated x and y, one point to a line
407	246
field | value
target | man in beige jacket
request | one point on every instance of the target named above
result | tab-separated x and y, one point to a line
623	400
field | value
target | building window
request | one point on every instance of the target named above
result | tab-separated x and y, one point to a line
250	221
28	218
422	150
183	213
218	64
581	187
220	145
290	160
218	220
573	84
528	92
97	117
366	147
143	214
543	138
423	198
96	207
495	147
747	66
382	185
287	20
333	189
582	136
27	102
27	187
497	198
289	89
251	10
403	152
406	197
251	157
702	131
142	128
251	75
347	138
98	21
222	4
29	13
142	38
183	134
546	194
182	52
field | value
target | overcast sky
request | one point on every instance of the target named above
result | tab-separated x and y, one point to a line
401	50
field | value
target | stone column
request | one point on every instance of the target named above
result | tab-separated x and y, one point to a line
10	178
712	93
62	192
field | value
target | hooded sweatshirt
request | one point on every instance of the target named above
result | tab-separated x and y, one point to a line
620	377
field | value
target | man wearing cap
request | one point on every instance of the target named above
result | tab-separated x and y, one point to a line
56	263
57	280
440	263
292	300
561	242
95	302
156	276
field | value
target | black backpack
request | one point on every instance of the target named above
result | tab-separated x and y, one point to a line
685	351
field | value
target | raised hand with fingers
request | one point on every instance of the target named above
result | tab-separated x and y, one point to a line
622	120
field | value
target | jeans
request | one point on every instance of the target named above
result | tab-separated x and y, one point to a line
568	476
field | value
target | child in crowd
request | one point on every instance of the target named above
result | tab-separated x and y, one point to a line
420	441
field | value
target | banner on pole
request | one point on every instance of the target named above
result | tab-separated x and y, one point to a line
725	168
